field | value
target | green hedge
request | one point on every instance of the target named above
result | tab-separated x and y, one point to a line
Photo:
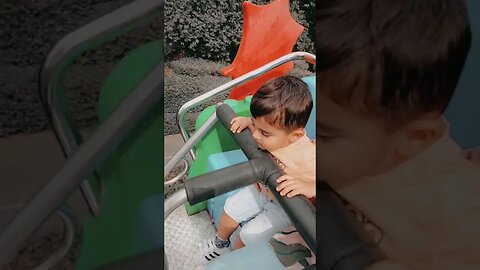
211	29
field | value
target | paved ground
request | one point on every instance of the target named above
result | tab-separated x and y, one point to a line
32	159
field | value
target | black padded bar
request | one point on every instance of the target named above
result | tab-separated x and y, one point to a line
124	119
244	139
298	208
343	242
216	183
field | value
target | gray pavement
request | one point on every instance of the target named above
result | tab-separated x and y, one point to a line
26	163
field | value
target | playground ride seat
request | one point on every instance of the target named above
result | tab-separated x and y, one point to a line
225	159
131	174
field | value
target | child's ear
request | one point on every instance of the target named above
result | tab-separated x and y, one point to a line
419	135
296	134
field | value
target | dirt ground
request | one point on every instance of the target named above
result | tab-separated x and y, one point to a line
28	30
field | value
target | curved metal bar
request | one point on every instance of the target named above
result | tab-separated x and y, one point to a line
234	83
175	200
180	175
61	56
83	162
189	144
68	239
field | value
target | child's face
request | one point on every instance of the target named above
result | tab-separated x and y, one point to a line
270	137
350	147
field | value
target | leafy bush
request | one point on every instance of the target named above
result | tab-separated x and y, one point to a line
211	29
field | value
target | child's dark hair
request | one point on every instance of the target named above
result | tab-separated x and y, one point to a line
283	102
396	59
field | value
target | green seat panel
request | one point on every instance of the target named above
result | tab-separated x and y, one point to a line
132	173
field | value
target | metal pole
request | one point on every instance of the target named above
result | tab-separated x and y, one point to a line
64	52
234	83
124	119
189	144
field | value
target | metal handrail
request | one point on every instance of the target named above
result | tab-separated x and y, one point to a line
310	58
62	55
68	239
83	162
189	144
180	175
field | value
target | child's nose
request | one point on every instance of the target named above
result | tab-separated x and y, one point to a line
256	135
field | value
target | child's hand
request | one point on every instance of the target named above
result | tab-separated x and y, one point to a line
292	187
238	124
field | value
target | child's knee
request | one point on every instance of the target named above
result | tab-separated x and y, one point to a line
264	226
230	209
246	237
241	206
229	203
254	232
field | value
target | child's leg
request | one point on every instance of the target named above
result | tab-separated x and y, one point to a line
238	243
242	206
272	220
226	226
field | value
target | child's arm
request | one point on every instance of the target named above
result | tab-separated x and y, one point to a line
292	186
238	124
